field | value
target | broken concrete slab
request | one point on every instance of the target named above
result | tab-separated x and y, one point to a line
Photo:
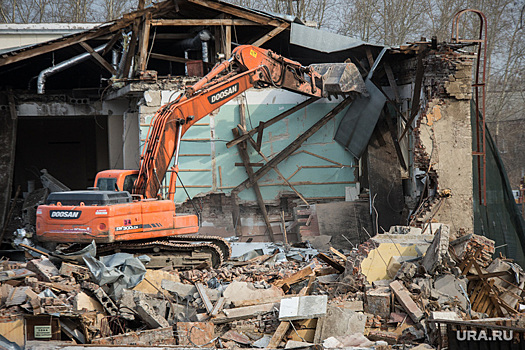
339	321
375	265
44	268
241	313
236	337
404	297
17	296
151	337
188	291
304	307
449	285
83	302
352	340
292	344
378	301
149	316
152	281
237	292
436	255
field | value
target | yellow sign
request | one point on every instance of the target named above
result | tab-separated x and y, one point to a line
253	53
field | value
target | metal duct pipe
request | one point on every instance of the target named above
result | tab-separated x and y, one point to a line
61	66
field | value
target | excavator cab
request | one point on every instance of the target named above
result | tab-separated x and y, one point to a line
116	180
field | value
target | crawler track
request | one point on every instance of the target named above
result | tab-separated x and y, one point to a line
182	252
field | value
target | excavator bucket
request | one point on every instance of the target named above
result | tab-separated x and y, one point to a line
340	78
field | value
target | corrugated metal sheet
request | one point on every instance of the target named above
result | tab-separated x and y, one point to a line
323	41
359	122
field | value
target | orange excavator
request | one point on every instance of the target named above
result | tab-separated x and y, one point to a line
124	212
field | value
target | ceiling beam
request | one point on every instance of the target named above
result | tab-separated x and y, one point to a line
238	12
203	22
270	34
98	58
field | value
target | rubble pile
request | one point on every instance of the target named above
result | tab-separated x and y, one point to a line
398	289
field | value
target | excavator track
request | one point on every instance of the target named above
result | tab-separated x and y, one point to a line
182	252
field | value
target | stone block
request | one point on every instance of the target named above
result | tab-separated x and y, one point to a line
338	322
378	301
240	291
305	307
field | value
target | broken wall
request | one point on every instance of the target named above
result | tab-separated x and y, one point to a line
444	139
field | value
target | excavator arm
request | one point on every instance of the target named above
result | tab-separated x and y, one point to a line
248	67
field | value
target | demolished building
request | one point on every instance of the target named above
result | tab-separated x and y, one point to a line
403	155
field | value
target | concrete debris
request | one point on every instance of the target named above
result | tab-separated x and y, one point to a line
380	294
436	256
304	307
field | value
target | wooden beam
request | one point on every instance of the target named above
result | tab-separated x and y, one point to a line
144	43
228	42
285	153
393	133
258	149
420	70
272	121
159	56
203	22
100	60
270	34
49	47
392	81
131	48
111	43
61	43
237	12
246	160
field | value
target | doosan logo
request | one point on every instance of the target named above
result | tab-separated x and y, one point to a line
64	214
223	94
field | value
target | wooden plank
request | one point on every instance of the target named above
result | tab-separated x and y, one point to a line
272	121
116	37
392	81
420	70
159	56
270	34
296	277
260	130
237	12
393	134
274	167
144	43
294	146
331	262
279	334
131	49
338	253
103	63
228	42
61	43
203	22
249	170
